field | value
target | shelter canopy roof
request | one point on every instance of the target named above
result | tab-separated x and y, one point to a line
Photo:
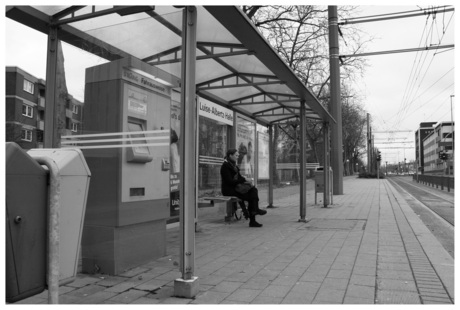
235	67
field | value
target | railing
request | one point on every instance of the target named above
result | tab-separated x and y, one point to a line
289	166
209	160
435	180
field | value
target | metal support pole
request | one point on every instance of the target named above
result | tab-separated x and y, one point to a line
336	108
452	135
326	165
53	228
368	145
187	201
372	151
302	159
271	166
51	106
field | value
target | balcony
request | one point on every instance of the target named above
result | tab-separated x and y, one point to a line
68	113
41	103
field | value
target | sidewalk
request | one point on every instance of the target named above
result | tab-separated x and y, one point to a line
369	247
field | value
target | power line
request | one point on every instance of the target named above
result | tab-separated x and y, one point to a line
426	70
411	81
432	85
348	21
416	69
395	13
417	49
406	104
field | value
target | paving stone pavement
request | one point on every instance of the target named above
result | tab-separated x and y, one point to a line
369	247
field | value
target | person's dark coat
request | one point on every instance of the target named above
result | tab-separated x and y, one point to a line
231	176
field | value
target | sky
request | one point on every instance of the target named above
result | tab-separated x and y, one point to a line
399	90
404	89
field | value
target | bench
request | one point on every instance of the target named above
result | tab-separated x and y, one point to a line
231	201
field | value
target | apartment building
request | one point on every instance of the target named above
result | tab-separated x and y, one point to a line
424	130
441	139
25	109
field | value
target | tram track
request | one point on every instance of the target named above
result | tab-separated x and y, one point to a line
441	206
434	207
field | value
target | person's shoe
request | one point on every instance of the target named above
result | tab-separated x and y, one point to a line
255	224
261	212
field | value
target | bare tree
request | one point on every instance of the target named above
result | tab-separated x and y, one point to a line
299	34
354	137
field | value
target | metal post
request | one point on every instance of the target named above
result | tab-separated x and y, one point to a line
271	164
372	152
255	175
53	228
326	164
302	159
51	106
188	286
368	145
452	131
336	108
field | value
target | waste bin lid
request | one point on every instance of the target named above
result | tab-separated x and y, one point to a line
18	162
69	160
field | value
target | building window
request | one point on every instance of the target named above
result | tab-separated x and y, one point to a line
39	136
74	127
26	135
75	109
27	110
28	86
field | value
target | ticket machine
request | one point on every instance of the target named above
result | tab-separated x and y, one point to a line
126	143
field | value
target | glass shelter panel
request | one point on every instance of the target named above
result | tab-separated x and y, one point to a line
212	144
128	110
263	155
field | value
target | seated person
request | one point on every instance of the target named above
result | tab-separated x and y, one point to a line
231	176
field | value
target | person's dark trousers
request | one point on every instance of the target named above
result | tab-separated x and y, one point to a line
252	197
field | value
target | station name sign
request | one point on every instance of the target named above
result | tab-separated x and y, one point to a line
214	111
144	81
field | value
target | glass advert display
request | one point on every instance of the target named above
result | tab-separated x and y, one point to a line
245	143
263	153
174	154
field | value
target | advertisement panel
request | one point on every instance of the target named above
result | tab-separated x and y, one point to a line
263	153
175	156
245	143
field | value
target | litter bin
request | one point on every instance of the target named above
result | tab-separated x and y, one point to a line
26	209
319	182
75	176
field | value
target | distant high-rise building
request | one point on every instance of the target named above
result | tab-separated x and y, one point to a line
440	139
421	133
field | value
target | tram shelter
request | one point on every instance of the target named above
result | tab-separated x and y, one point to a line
179	54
